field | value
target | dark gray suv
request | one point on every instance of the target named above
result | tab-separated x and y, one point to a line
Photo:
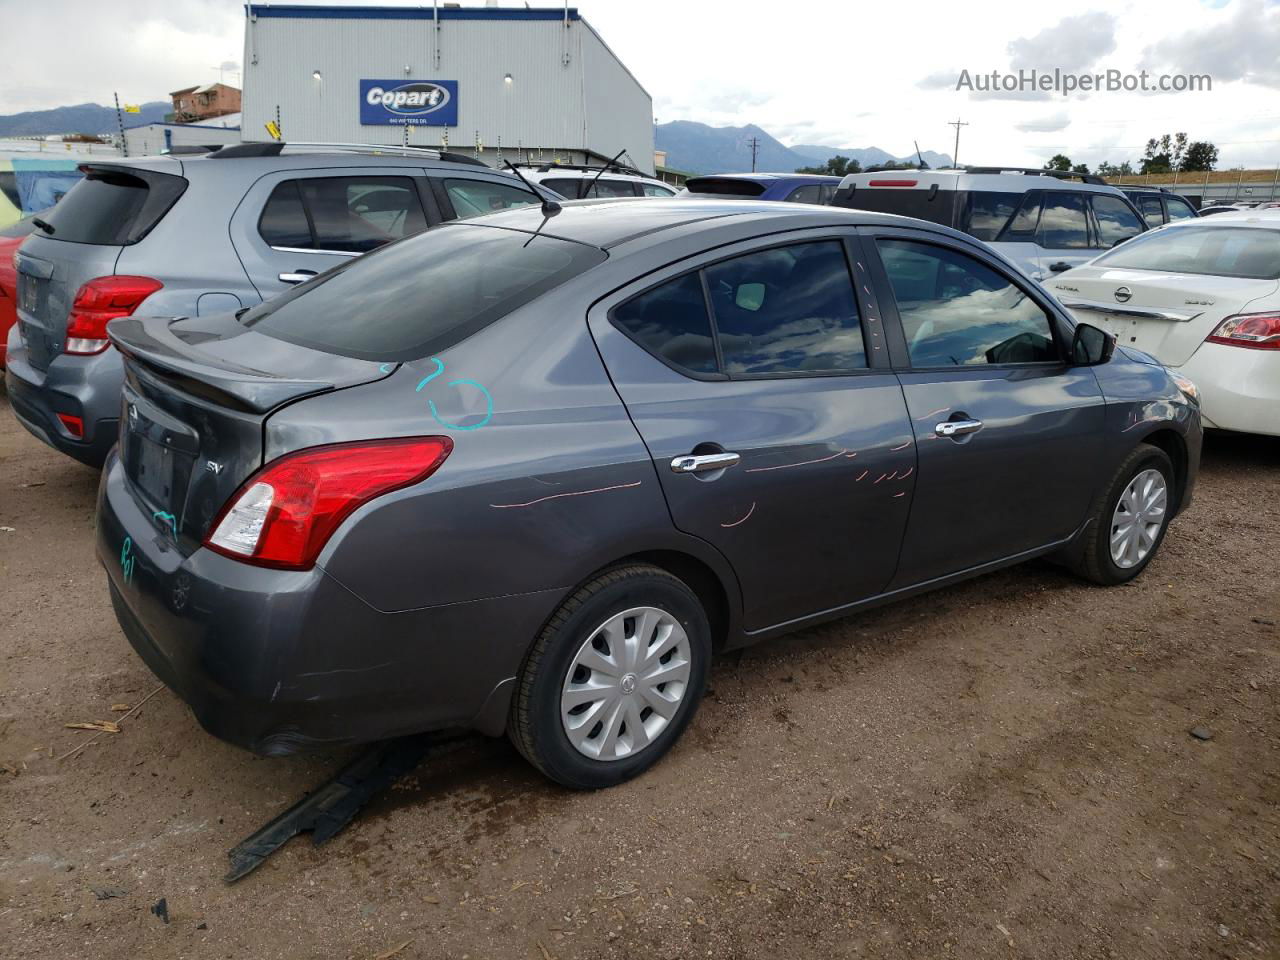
526	473
198	236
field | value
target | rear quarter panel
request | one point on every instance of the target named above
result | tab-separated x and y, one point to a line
548	480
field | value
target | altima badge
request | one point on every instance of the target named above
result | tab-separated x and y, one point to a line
1123	294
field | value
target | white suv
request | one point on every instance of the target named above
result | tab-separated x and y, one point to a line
576	182
1043	221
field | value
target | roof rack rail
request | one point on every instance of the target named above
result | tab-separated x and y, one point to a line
1039	172
272	148
544	167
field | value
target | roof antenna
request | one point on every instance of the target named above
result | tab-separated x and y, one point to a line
549	207
592	185
920	156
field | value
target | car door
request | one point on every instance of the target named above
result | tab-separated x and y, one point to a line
295	224
1062	233
779	434
1009	436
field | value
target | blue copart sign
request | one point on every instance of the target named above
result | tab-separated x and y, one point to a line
414	102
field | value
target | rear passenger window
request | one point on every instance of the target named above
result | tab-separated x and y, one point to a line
1116	222
956	311
284	221
343	214
1149	204
671	322
567	187
1063	224
986	212
787	310
472	198
656	190
811	193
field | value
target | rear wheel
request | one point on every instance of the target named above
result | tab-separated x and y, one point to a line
1129	518
613	679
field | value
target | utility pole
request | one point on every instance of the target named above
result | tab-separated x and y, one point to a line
955	154
124	144
754	144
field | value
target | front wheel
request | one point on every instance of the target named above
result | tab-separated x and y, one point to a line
613	679
1129	518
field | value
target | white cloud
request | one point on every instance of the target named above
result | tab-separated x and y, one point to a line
1049	124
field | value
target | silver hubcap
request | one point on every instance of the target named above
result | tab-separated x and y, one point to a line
1138	518
625	684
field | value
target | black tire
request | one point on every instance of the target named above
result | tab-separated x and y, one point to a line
1093	560
535	725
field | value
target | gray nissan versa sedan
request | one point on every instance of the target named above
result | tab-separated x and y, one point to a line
527	472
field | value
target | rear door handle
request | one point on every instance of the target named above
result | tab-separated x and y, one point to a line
298	276
957	428
702	462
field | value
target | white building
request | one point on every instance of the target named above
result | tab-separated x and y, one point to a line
152	138
536	84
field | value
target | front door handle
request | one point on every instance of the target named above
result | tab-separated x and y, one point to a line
703	462
298	276
957	428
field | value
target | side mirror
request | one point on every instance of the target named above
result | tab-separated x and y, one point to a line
1091	346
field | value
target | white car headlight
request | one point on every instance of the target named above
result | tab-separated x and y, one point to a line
1189	389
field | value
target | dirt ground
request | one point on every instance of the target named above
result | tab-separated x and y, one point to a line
1001	769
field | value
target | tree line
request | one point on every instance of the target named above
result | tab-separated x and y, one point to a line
1170	153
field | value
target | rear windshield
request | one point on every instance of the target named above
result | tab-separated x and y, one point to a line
114	207
1248	253
742	189
417	296
936	206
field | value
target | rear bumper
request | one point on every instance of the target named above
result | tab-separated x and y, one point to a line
1239	387
281	662
75	388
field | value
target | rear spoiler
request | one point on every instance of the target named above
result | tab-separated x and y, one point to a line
149	343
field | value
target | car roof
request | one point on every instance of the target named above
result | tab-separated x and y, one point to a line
1267	219
1002	181
609	223
569	172
254	166
768	177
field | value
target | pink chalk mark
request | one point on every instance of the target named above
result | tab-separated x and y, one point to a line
900	447
861	475
934	413
902	494
881	477
907	474
556	496
802	463
744	519
850	456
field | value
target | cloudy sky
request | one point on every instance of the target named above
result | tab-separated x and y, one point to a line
840	74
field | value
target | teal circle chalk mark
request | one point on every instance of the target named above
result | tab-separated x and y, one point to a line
126	558
475	426
385	368
427	379
168	518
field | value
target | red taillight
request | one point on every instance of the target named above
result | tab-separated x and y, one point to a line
893	183
285	513
1257	331
100	301
74	425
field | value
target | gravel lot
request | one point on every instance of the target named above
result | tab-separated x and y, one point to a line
1001	769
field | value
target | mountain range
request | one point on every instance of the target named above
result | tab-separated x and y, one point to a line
699	148
81	118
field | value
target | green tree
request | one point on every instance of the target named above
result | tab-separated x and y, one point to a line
1080	168
1201	155
1058	162
1165	154
837	166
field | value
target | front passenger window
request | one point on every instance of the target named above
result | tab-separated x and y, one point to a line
473	198
956	311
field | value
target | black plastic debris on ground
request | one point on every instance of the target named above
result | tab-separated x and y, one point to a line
161	909
332	805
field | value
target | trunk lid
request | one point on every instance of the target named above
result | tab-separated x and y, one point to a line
197	393
50	272
114	206
1167	315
